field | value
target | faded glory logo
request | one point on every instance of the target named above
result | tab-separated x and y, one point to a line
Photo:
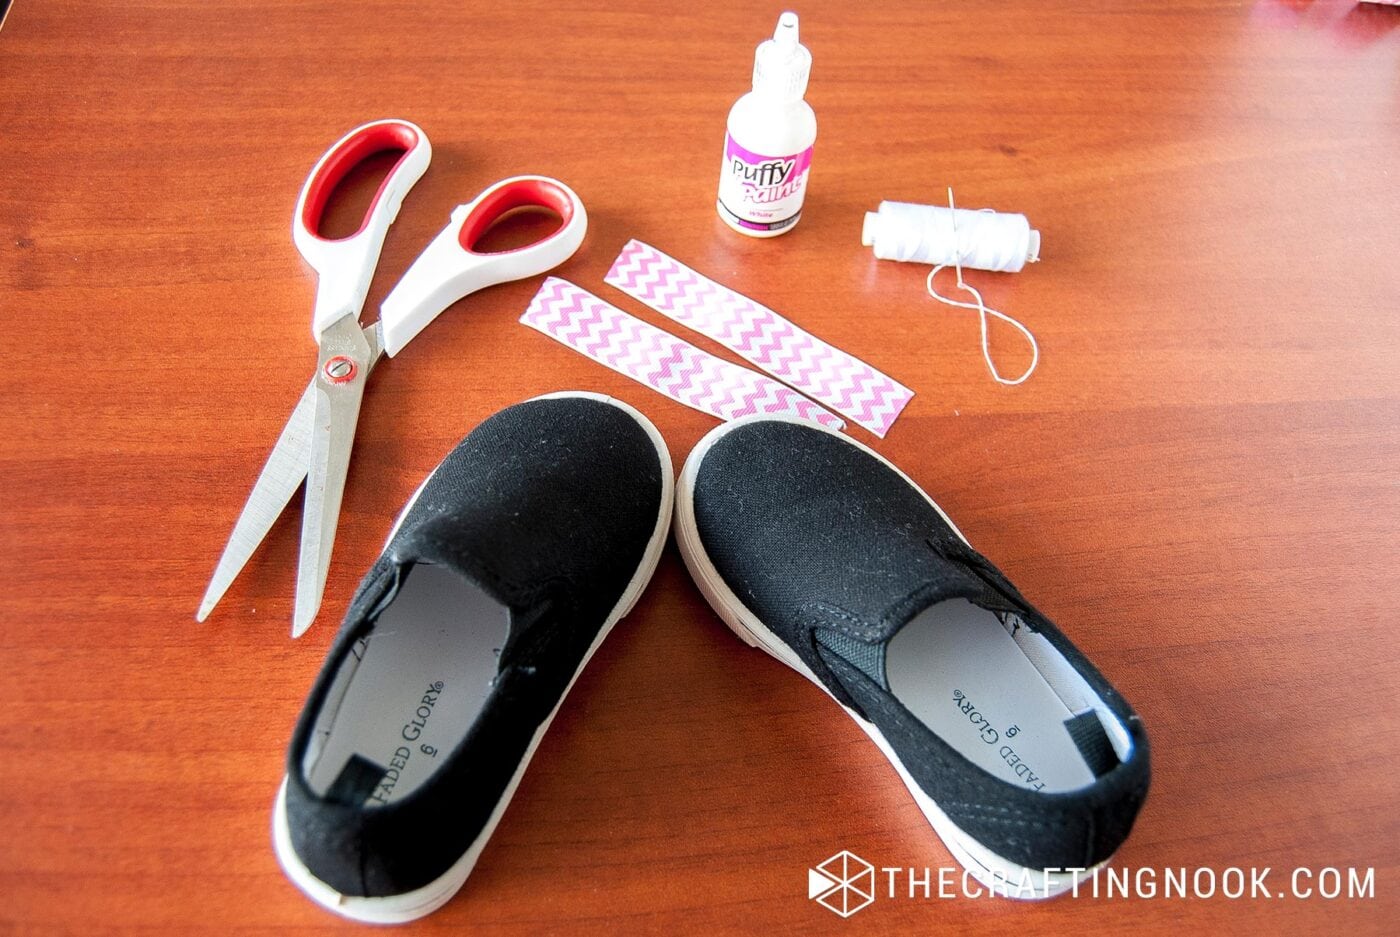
843	884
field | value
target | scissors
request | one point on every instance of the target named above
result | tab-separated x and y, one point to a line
315	444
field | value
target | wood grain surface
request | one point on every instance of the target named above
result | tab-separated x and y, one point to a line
1201	483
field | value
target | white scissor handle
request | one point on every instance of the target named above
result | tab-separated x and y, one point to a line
450	267
345	266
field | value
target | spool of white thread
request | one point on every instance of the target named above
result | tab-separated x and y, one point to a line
929	234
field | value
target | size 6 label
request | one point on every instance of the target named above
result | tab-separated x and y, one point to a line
763	193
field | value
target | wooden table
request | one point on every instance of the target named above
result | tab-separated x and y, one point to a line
1199	483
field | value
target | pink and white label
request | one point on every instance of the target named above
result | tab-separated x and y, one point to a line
762	193
659	360
826	374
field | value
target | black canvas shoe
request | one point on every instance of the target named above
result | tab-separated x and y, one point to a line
815	549
500	579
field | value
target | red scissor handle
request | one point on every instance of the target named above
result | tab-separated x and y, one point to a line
506	197
451	267
383	136
345	265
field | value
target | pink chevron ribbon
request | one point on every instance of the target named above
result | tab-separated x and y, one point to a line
842	382
659	360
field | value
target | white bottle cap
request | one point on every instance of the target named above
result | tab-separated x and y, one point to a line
781	65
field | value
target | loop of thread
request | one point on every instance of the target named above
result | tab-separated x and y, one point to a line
983	310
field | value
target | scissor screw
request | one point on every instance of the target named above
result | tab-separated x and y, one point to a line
340	369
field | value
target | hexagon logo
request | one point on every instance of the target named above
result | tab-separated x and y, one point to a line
843	884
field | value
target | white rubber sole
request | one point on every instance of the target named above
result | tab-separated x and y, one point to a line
998	874
409	906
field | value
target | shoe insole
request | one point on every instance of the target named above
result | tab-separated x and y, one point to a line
959	671
410	691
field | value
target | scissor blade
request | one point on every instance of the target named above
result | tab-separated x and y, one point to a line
281	475
337	410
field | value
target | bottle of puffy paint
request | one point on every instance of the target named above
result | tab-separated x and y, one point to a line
768	147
